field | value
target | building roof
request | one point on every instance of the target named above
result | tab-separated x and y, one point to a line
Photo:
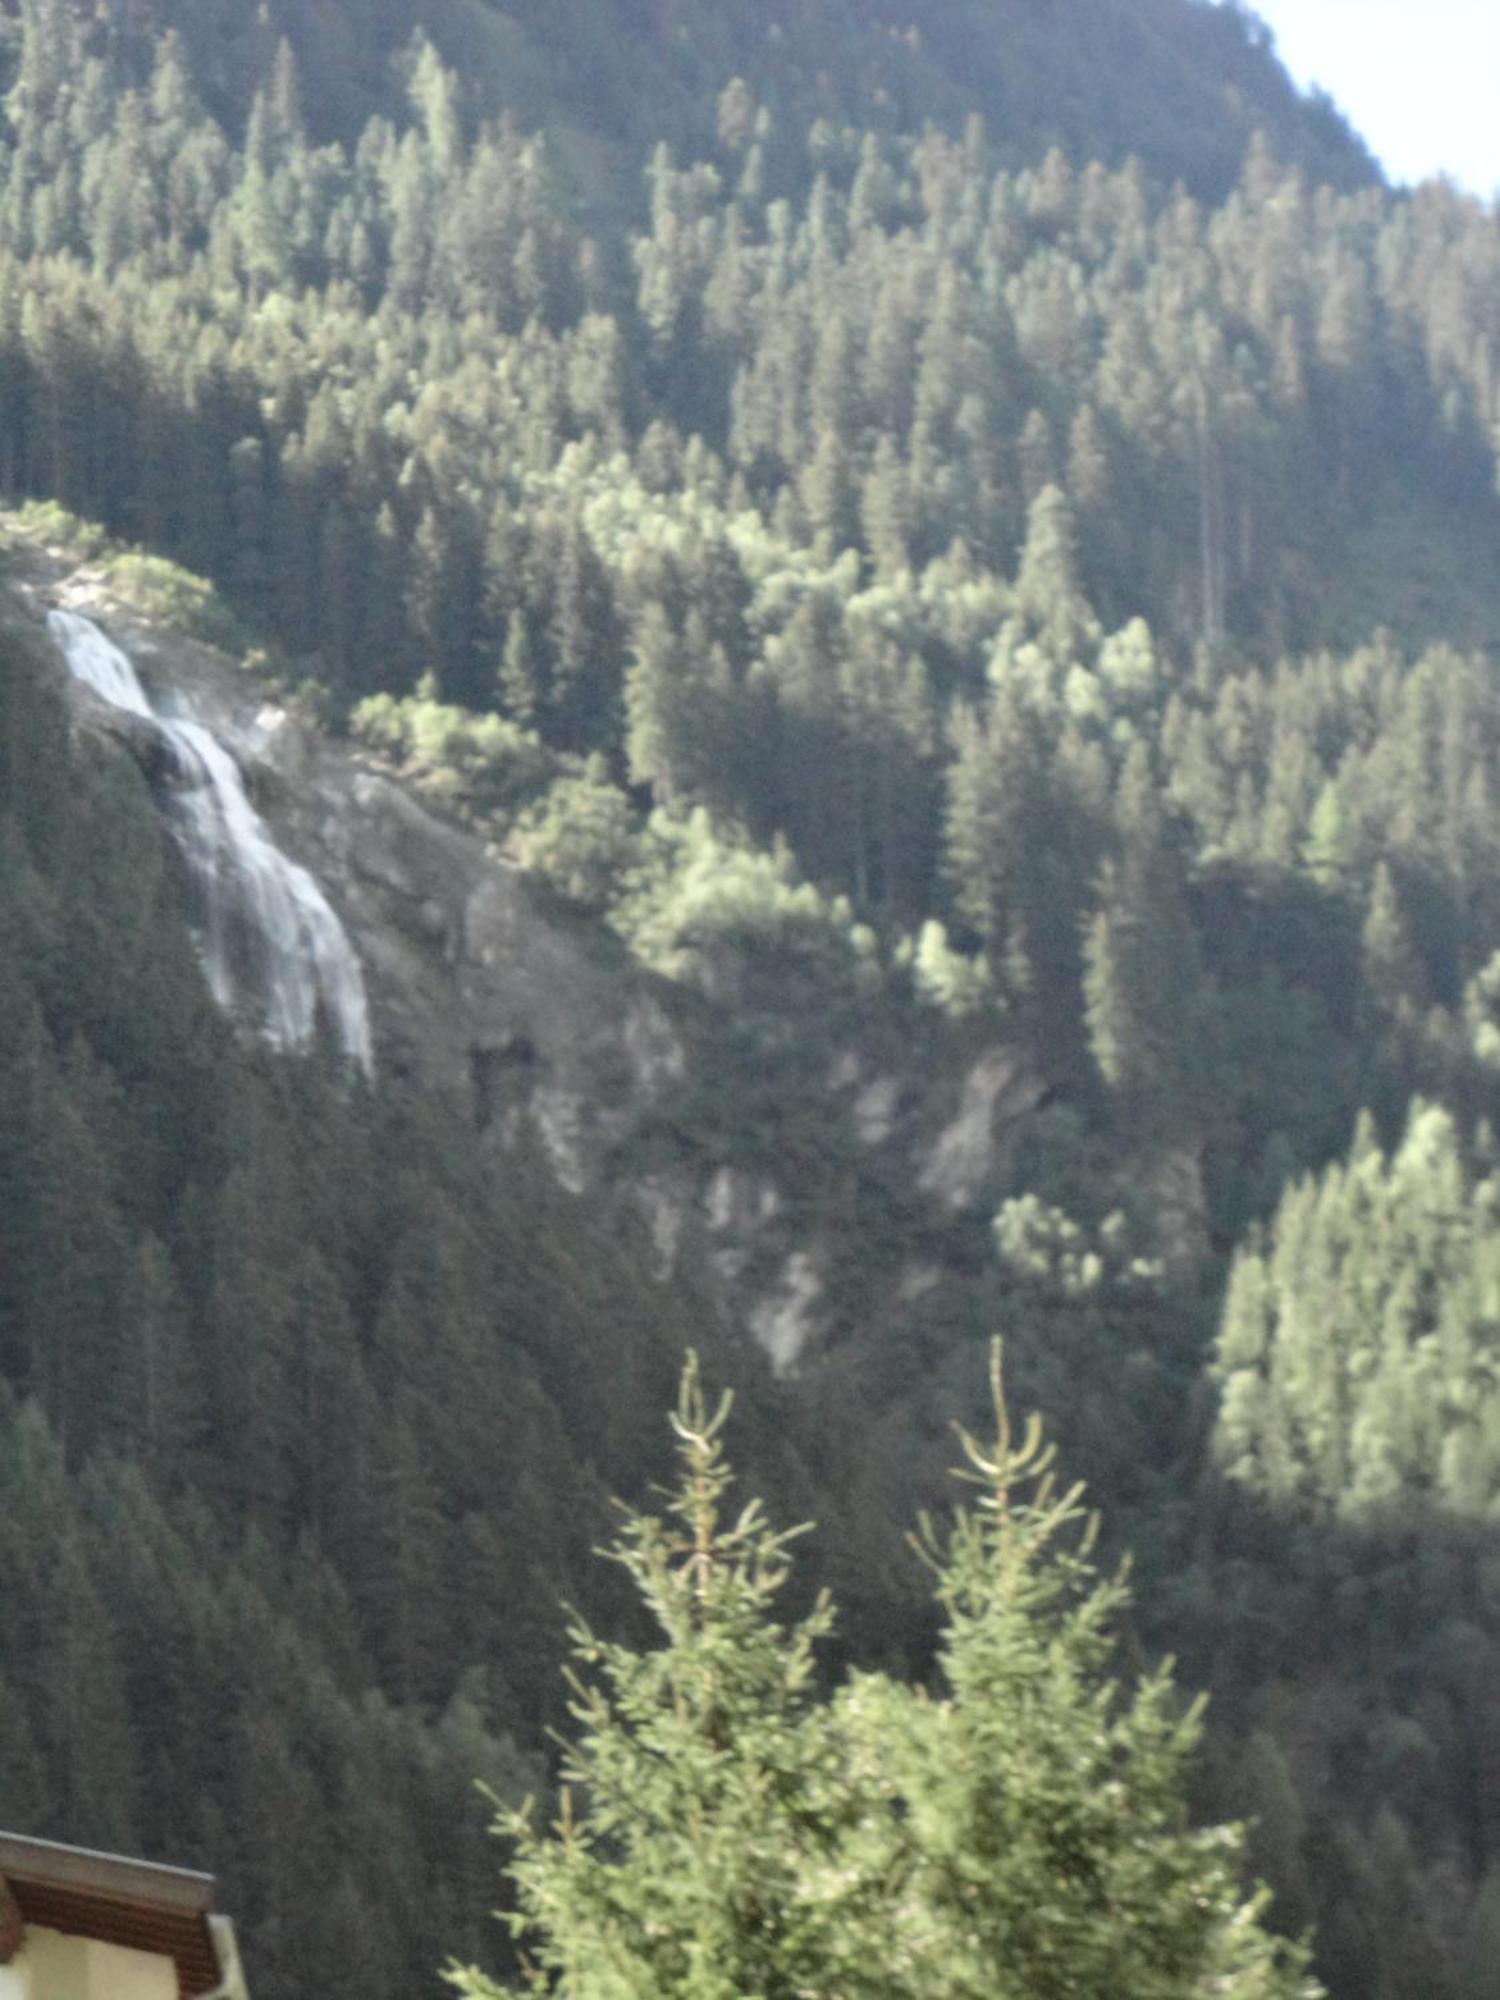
166	1911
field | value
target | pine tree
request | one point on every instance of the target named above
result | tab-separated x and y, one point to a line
1330	852
434	99
520	696
1146	1000
658	707
1050	606
697	1820
1040	1821
725	1830
1393	979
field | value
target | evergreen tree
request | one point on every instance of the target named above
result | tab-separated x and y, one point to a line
1145	997
335	331
1356	1346
1392	971
726	1829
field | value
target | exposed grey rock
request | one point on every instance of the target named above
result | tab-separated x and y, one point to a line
659	1200
1172	1183
968	1156
918	1281
875	1110
736	1202
785	1320
845	1070
539	1029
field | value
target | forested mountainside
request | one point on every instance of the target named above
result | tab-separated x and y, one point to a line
960	562
1178	83
310	1421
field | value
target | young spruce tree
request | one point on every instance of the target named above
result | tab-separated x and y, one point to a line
729	1830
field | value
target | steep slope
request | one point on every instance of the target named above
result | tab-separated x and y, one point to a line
909	732
381	1402
530	1026
306	1411
1181	84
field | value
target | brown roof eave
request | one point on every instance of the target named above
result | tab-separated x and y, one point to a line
117	1901
48	1863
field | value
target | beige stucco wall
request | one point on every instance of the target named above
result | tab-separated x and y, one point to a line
53	1967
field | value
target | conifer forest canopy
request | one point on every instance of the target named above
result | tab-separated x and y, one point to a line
957	536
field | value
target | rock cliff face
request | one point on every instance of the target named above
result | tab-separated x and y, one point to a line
536	1025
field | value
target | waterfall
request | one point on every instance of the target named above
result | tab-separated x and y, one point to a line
271	946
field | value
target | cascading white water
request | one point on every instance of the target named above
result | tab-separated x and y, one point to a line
270	943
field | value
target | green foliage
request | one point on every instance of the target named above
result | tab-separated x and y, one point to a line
582	839
152	585
51	522
697	1847
1358	1347
264	1401
165	591
727	1827
869	538
699	900
957	985
810	498
1044	1246
481	767
1196	84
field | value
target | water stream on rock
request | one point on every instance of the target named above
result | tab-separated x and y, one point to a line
272	948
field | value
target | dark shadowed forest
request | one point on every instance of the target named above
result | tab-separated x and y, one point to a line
953	527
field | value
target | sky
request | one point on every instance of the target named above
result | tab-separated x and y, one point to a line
1418	79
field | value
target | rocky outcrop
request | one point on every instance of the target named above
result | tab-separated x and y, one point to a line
785	1319
533	1022
971	1152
